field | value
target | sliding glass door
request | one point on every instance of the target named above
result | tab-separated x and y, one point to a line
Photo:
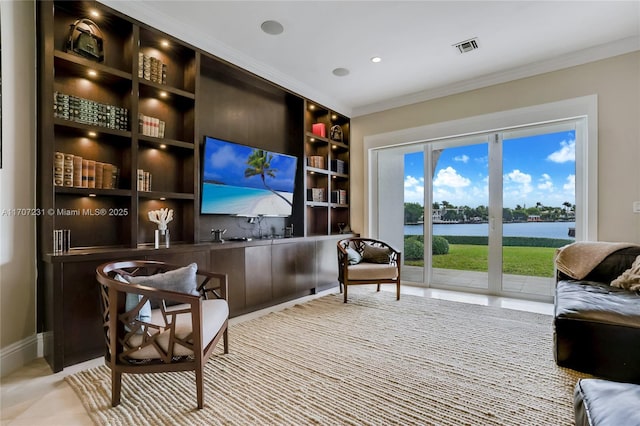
482	213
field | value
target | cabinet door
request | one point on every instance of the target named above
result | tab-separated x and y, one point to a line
293	269
258	275
326	264
82	312
231	262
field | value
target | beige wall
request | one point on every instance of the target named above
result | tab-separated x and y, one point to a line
17	183
616	82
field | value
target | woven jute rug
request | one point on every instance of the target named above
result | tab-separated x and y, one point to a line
373	361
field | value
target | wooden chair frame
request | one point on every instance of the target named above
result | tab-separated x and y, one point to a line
358	244
120	325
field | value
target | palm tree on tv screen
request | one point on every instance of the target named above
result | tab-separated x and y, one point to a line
259	163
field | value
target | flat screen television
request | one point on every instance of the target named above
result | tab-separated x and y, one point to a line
246	181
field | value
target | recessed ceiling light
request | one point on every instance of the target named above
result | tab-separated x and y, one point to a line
376	59
164	43
94	13
340	72
92	73
272	27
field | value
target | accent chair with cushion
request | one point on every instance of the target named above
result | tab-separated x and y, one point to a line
367	261
160	317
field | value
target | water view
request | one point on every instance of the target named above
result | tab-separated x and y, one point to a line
520	229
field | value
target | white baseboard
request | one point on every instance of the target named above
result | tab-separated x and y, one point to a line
19	354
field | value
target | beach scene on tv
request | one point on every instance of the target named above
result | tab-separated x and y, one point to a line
247	181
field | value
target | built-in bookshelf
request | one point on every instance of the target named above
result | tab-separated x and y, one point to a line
123	126
326	170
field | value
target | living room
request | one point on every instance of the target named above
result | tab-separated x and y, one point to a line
613	78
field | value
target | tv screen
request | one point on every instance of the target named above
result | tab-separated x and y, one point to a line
246	181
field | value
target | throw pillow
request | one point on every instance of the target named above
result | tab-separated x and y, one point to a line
373	254
182	280
629	279
353	256
132	300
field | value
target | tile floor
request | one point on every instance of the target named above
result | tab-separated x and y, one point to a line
33	396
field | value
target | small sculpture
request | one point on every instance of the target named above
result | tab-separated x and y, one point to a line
161	217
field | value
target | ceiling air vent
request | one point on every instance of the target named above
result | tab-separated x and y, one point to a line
467	45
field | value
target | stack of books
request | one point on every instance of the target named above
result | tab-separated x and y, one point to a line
339	196
86	111
316	161
144	180
77	172
338	166
151	126
152	69
317	194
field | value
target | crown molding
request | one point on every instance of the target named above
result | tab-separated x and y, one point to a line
603	51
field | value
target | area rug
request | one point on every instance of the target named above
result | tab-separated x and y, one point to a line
372	361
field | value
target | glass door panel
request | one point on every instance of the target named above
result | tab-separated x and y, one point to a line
538	191
459	215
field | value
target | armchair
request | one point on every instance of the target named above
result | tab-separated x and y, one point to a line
367	261
173	326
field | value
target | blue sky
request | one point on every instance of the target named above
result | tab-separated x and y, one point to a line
537	168
225	162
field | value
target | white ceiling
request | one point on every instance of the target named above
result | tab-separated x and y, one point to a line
414	39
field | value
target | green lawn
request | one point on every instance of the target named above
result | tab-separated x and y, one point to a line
530	261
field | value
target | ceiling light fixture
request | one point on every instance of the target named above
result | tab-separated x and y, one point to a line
376	59
164	43
272	27
340	72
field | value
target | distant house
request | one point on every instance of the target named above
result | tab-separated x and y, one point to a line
534	218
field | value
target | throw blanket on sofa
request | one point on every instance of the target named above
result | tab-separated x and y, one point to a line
578	259
630	279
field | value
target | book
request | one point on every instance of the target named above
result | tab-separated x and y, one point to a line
319	129
91	173
107	176
85	173
58	168
140	179
99	175
68	170
77	171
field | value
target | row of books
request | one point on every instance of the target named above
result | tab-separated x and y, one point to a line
151	126
152	69
86	111
144	180
317	194
316	161
74	171
339	166
339	196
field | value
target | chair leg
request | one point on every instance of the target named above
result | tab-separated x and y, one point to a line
116	387
398	290
378	289
225	337
200	385
340	285
345	293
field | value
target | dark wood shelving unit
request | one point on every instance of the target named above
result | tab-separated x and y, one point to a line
199	95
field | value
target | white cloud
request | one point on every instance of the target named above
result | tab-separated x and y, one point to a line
566	153
450	177
545	183
414	190
570	185
462	158
518	177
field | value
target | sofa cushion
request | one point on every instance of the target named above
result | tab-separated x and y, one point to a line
372	271
597	302
629	279
353	256
613	265
603	403
214	313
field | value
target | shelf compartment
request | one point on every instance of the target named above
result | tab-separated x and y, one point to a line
81	129
74	65
171	172
180	228
117	32
176	111
93	221
179	59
